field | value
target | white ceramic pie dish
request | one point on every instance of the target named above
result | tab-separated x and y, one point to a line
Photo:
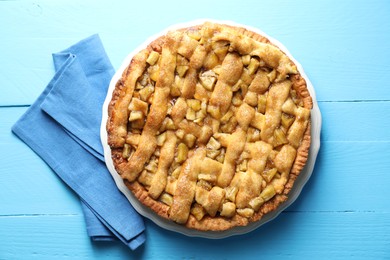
170	225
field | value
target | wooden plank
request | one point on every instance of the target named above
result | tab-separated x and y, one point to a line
344	170
291	235
48	237
344	50
355	121
348	176
341	121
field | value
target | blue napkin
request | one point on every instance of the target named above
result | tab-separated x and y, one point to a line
63	128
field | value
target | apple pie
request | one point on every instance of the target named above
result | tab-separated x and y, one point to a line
209	126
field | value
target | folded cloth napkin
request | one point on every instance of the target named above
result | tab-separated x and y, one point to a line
63	128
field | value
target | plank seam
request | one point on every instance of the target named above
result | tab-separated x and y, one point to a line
354	101
356	141
320	101
349	211
11	106
334	211
38	215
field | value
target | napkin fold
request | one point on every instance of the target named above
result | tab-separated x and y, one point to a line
63	128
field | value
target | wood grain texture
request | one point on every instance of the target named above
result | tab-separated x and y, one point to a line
326	235
355	121
342	46
357	162
343	211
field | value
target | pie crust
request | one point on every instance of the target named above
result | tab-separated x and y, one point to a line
209	126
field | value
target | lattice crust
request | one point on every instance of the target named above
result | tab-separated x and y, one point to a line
210	125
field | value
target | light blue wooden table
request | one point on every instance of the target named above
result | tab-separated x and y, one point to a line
343	211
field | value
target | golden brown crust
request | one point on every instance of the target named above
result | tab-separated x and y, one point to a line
220	100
